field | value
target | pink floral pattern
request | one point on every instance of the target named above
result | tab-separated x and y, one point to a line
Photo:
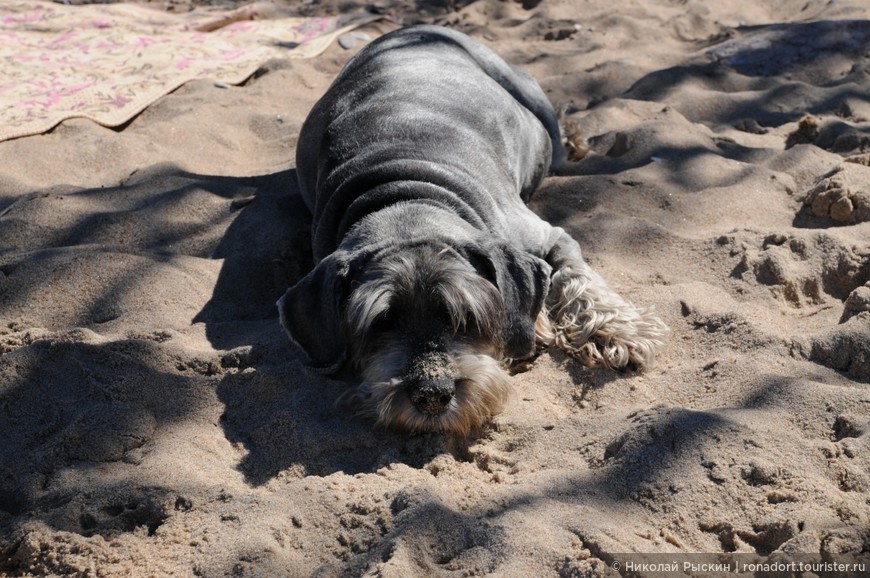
109	62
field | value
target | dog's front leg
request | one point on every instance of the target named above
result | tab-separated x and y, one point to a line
589	320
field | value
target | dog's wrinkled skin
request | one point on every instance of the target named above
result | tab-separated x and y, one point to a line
417	165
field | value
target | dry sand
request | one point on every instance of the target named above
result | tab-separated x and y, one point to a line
155	420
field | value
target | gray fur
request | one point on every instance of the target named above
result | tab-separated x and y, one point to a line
422	138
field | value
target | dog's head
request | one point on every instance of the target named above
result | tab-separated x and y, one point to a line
425	325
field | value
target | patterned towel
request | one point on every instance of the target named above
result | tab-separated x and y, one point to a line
108	62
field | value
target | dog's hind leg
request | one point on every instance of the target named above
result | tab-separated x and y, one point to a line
588	319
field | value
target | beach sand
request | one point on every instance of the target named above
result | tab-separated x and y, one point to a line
156	421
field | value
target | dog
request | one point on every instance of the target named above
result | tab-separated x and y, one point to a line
432	274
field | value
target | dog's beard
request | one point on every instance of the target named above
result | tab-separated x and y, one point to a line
482	389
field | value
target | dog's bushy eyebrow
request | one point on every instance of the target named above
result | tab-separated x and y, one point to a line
469	299
411	281
366	304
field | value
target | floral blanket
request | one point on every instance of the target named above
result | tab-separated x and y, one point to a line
109	62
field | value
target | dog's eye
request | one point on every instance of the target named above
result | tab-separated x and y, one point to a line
384	322
470	323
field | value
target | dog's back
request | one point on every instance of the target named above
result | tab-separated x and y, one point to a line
424	111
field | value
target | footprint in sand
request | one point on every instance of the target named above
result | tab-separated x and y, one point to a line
815	270
840	197
805	268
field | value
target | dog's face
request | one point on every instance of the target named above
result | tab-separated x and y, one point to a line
425	327
426	336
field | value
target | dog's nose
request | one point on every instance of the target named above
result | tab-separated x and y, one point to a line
433	396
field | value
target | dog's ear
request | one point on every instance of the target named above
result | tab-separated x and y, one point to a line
310	312
523	281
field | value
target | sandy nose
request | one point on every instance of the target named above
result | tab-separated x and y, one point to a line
433	396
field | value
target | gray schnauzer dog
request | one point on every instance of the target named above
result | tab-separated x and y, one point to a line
432	273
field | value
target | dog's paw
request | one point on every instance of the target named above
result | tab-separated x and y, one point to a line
593	324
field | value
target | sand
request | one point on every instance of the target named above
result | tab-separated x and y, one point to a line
155	421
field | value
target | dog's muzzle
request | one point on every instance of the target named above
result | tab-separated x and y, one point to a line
432	396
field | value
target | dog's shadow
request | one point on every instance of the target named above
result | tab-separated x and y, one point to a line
287	425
